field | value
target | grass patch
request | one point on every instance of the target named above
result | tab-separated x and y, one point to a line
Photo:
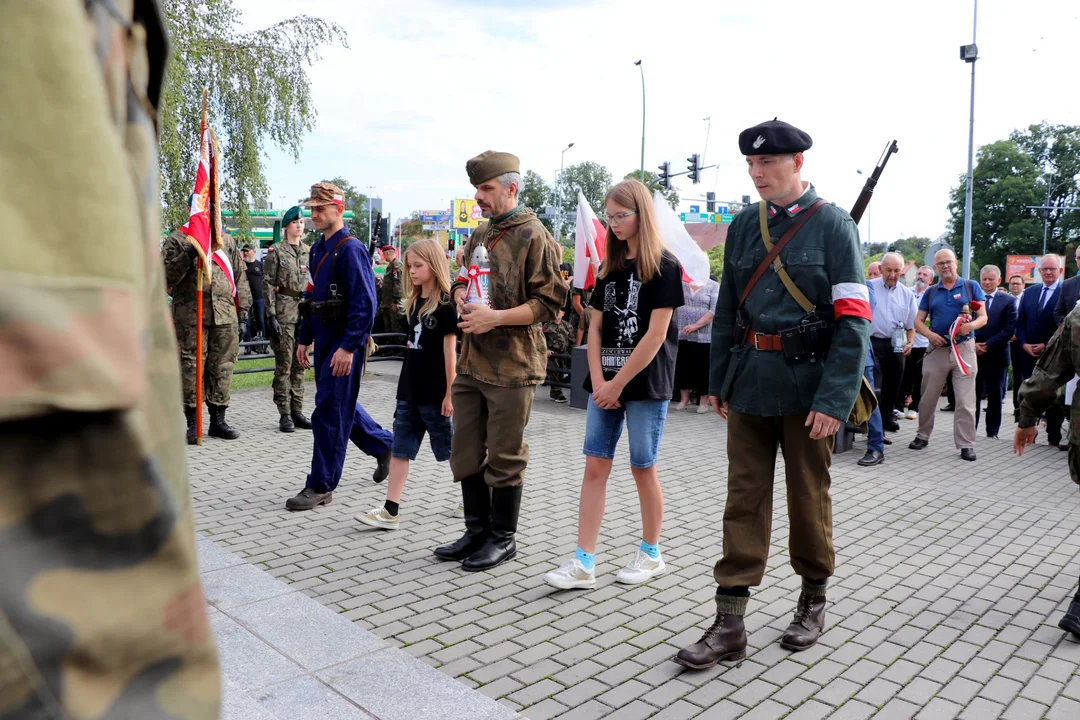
261	379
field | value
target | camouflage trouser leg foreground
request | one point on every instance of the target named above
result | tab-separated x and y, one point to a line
101	611
220	346
288	375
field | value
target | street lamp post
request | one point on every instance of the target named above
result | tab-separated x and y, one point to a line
558	193
969	54
638	63
371	236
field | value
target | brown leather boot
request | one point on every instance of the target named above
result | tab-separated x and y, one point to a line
725	640
809	621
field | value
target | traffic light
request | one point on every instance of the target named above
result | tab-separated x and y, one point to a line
695	171
665	176
384	230
710	202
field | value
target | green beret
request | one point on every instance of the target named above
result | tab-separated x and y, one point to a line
293	213
491	164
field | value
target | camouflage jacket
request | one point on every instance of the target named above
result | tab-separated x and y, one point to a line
285	267
181	278
1058	364
524	271
559	336
391	290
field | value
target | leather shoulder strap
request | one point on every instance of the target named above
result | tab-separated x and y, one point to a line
774	254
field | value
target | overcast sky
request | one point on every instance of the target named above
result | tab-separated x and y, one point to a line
426	85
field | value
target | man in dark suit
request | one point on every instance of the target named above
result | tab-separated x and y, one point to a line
992	348
1016	290
1069	295
1035	326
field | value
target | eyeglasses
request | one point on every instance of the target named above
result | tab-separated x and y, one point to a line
617	219
946	263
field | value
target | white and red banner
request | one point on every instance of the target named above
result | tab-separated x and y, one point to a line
589	245
199	227
694	261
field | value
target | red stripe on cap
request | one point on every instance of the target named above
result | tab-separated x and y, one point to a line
853	307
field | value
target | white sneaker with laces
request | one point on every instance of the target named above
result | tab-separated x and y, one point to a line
571	576
380	518
680	406
912	415
641	569
702	409
459	511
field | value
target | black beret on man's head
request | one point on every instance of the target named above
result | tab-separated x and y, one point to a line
774	137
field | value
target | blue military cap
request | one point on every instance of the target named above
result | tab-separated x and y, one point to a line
774	137
293	213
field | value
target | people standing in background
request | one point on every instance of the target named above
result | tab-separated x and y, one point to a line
694	320
992	348
1069	295
256	324
1016	290
875	432
892	333
873	270
911	384
1035	326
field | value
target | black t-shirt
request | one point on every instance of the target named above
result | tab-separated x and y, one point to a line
627	305
423	376
254	278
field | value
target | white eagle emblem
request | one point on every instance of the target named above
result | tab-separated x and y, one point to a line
759	142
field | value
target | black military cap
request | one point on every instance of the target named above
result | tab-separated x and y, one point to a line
774	137
247	247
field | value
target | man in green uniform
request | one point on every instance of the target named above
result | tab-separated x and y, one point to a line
391	312
786	367
285	277
1058	363
102	614
558	334
503	359
226	300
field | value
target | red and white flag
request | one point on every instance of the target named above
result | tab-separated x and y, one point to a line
590	240
694	261
200	225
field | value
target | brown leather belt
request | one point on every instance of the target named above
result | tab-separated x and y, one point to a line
289	293
761	341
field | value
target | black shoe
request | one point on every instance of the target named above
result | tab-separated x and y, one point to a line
299	420
918	444
286	424
872	457
725	641
499	545
382	470
189	413
967	454
1071	620
892	426
887	441
476	498
218	427
560	398
308	499
949	408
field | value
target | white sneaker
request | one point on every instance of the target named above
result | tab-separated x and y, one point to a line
702	409
571	576
380	518
912	415
680	406
459	511
641	569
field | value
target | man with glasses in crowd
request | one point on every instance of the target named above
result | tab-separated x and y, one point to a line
1035	326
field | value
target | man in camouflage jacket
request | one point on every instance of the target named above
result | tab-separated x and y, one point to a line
222	314
558	334
102	615
503	358
285	277
390	317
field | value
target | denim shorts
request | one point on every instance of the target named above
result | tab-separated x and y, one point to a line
644	421
410	424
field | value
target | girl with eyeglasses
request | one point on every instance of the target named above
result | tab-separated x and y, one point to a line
633	341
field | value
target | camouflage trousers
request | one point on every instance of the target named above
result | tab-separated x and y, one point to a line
221	343
388	321
288	375
101	611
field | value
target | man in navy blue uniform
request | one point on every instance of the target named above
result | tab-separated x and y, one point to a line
341	302
1035	325
992	348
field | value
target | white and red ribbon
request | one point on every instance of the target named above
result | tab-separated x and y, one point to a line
474	273
954	330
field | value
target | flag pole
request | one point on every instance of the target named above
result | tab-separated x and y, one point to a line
199	312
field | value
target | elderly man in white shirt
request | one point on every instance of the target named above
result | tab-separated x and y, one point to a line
912	382
892	333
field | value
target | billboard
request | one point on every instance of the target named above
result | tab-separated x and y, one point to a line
465	214
438	217
1027	266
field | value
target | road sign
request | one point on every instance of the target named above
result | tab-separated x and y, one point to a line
437	226
721	209
725	217
695	209
439	217
695	217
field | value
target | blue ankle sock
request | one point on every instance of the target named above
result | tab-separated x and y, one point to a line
652	550
587	560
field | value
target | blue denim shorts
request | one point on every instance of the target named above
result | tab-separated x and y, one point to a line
644	422
410	424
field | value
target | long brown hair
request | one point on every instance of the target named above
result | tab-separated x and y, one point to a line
433	255
635	196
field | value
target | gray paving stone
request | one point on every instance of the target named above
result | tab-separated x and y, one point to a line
246	661
305	698
1024	709
939	709
238	585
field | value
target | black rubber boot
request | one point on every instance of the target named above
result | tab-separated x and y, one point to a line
500	545
300	420
218	427
476	497
189	413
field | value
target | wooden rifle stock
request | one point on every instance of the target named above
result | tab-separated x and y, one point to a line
871	182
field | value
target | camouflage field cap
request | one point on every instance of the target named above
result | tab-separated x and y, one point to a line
491	164
324	193
293	213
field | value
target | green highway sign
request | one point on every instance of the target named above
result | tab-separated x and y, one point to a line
726	217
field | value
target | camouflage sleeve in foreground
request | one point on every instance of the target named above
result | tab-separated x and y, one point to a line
1056	366
101	611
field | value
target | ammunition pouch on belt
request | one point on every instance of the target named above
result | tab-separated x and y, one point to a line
331	312
807	340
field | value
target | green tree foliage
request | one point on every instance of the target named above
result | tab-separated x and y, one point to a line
593	179
537	195
716	260
912	248
259	91
1011	175
876	248
413	229
652	181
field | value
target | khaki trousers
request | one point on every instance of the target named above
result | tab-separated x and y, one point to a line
489	431
752	444
938	365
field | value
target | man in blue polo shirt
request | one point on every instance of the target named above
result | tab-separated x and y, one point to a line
949	355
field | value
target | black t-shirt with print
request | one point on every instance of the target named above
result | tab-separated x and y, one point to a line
423	376
627	305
